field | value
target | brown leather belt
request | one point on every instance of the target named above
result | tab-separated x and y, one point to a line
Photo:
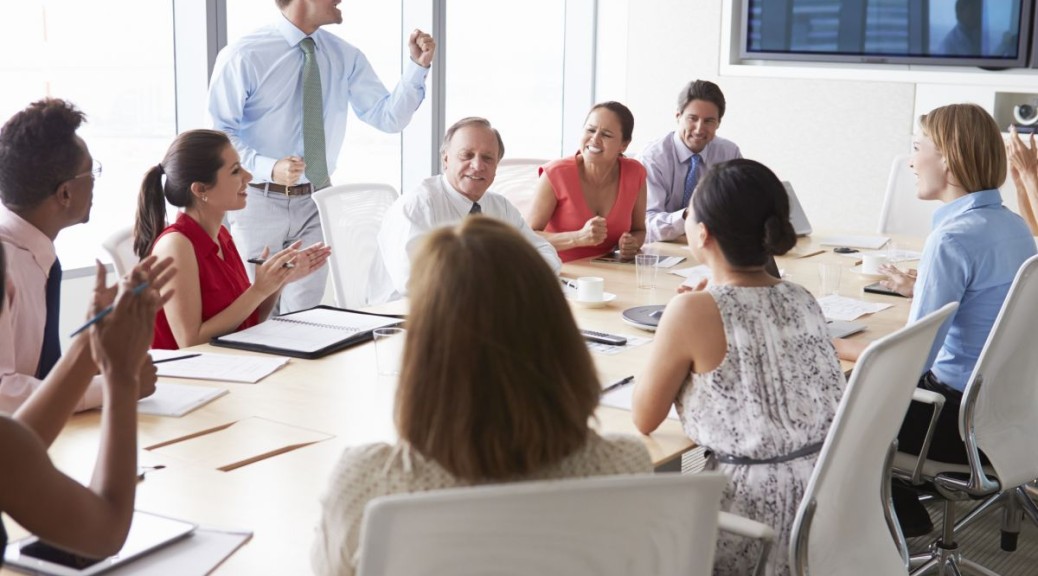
297	190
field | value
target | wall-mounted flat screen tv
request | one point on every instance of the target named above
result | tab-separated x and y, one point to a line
984	33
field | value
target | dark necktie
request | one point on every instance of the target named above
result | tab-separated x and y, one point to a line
313	118
476	208
51	349
691	178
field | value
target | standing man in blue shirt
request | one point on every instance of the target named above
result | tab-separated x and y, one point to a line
284	87
675	162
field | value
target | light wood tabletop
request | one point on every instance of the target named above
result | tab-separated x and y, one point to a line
299	419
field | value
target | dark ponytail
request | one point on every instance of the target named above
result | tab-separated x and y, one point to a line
195	156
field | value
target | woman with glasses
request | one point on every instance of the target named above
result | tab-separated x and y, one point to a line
202	175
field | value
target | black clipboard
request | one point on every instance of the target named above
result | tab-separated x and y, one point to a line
282	324
877	288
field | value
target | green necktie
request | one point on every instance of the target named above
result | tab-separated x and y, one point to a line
313	119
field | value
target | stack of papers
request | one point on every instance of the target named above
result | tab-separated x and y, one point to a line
176	400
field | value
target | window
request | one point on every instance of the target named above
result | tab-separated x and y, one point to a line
515	82
368	155
120	76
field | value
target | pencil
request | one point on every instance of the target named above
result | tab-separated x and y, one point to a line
107	310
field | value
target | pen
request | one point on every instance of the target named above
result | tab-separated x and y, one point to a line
142	470
568	282
261	261
184	357
107	310
618	384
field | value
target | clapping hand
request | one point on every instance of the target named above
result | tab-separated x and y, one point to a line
309	259
422	47
593	233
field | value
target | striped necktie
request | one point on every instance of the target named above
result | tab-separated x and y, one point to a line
313	119
691	178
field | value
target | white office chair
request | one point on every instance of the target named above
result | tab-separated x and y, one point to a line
844	525
119	247
999	416
516	180
351	215
602	526
903	212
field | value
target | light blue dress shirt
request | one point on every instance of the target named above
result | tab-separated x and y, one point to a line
256	95
971	257
666	165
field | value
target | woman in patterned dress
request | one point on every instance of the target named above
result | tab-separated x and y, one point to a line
765	379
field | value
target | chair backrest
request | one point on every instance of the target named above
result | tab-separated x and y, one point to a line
351	215
516	180
1005	385
119	246
602	526
903	212
841	527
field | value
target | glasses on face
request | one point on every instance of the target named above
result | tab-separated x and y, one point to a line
94	172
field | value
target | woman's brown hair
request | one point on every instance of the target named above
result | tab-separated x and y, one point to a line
496	380
971	143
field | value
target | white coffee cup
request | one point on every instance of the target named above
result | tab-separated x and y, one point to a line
590	289
870	263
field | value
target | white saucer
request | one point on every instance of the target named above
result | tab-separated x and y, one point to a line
857	270
607	297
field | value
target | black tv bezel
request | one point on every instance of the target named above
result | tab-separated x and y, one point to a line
1024	59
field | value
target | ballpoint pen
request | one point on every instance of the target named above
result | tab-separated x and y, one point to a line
618	384
261	261
184	357
107	310
568	283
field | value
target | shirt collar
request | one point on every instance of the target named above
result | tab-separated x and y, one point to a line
290	33
457	199
683	152
17	231
965	204
197	235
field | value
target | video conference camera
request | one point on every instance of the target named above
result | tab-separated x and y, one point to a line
1026	114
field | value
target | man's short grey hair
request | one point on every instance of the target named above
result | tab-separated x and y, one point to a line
472	121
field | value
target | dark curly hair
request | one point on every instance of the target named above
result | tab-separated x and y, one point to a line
39	151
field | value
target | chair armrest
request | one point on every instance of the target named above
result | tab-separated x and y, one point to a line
937	401
741	526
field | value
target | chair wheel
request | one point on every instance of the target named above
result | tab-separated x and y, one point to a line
1009	540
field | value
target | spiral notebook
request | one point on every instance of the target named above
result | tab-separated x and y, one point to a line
309	333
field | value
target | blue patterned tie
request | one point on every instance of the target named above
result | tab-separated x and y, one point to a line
51	350
691	178
313	119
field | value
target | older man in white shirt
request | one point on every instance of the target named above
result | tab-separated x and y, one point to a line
471	150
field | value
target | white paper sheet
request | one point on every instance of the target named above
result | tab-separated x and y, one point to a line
609	349
842	308
176	400
198	554
246	368
870	242
621	397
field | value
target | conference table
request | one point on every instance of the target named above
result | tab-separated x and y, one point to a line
259	457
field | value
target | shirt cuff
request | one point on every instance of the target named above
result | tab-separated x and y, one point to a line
414	74
264	169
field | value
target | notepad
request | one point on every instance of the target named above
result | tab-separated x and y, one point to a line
309	333
224	367
176	400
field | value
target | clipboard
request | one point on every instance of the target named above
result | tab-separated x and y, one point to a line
311	333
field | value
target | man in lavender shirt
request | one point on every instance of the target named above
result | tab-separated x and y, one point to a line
676	162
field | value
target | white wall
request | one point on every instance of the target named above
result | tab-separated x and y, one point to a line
834	139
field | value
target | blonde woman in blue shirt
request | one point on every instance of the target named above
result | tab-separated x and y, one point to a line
971	257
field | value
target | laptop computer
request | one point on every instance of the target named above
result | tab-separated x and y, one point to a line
797	216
